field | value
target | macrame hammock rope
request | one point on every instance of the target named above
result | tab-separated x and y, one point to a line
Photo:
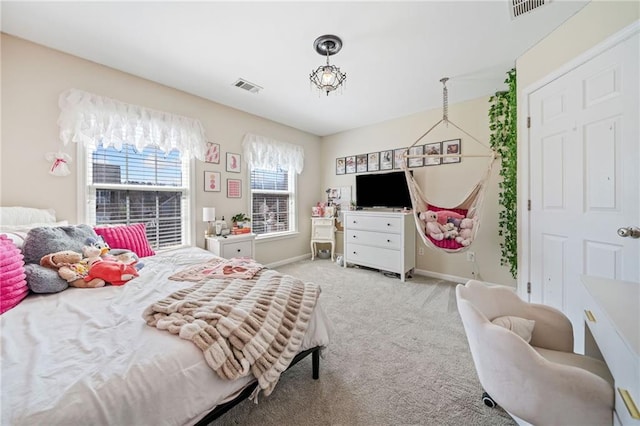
464	217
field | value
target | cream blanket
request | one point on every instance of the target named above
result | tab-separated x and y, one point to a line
242	326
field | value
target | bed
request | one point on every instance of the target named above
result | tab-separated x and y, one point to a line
87	356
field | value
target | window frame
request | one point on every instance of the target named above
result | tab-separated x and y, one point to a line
87	195
292	190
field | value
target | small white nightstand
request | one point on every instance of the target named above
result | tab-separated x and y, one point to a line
323	230
243	245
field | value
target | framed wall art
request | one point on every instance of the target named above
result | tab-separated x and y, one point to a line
340	166
419	161
233	162
234	188
398	158
451	147
361	163
433	149
373	161
212	182
212	155
386	160
350	164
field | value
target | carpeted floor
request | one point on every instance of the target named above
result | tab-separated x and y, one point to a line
399	356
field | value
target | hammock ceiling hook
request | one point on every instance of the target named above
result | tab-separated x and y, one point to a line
445	100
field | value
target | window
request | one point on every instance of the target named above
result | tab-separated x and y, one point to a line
148	186
272	201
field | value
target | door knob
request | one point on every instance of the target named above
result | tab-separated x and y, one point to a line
630	231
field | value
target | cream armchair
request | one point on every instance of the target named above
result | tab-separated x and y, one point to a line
541	382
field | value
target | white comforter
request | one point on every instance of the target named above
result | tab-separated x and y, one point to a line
86	356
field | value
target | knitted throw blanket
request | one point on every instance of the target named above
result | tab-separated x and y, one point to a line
242	326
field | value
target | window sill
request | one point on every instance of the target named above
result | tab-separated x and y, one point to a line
263	238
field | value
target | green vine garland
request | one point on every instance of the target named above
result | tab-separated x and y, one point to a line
503	126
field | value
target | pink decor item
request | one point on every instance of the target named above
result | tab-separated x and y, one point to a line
130	237
13	285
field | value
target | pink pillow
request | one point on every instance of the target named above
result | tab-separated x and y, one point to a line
130	237
13	285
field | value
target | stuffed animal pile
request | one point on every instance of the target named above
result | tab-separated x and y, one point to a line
448	225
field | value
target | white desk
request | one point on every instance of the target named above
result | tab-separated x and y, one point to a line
612	333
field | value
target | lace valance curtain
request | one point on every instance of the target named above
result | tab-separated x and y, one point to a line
90	119
263	153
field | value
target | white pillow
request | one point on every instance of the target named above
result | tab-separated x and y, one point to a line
11	216
521	326
18	233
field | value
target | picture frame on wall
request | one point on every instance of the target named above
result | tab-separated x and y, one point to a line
212	182
234	188
373	161
398	158
433	149
416	162
451	147
386	160
233	162
350	164
340	166
212	155
361	163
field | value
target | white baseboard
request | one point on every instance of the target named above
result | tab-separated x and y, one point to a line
289	260
453	278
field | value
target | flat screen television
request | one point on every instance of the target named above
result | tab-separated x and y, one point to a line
387	190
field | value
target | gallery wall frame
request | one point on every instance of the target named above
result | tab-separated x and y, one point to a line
212	154
233	162
234	188
212	182
373	161
433	149
340	166
451	147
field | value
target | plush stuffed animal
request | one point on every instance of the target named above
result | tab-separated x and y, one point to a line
466	232
71	268
444	215
432	227
450	231
107	253
111	271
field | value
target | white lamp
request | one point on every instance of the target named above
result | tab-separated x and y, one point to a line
208	215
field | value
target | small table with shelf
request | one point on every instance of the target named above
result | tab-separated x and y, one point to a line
323	230
241	245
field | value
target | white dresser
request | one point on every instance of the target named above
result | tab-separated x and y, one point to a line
323	230
612	333
242	245
381	240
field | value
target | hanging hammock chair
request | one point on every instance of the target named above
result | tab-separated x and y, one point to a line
464	218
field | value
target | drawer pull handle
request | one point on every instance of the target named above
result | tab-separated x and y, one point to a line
629	403
388	224
590	315
355	236
238	250
388	241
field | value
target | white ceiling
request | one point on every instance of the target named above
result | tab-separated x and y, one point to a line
394	53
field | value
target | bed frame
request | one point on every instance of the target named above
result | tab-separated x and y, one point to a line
219	410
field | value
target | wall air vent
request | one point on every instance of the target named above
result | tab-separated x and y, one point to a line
520	7
249	87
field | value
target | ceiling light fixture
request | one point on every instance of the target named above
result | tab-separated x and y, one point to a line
327	78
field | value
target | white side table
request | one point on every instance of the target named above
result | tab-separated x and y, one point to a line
323	231
243	245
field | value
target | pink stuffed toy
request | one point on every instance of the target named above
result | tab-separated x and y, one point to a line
444	215
432	227
115	273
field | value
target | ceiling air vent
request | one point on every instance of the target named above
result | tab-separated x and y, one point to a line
249	87
520	7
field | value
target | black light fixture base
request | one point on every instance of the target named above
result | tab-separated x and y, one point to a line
327	45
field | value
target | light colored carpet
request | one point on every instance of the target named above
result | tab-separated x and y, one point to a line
399	356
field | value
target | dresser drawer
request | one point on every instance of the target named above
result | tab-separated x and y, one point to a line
374	257
375	223
239	249
323	222
378	239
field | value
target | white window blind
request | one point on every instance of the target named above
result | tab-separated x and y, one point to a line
272	201
149	186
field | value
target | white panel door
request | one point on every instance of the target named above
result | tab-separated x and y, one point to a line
584	180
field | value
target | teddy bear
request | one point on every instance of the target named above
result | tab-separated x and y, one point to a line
466	232
450	231
432	227
71	268
107	253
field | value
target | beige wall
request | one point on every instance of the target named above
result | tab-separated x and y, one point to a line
33	77
444	185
